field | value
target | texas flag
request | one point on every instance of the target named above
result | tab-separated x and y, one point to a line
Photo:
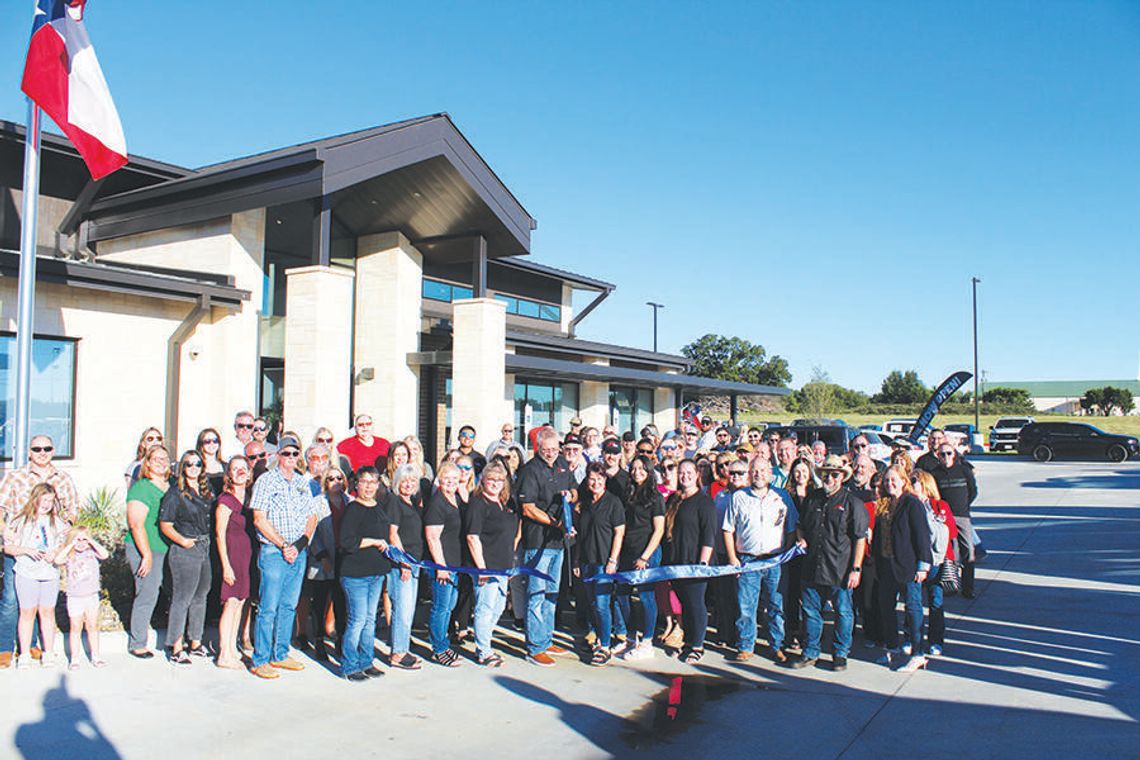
62	76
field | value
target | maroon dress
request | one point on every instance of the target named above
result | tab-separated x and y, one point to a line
239	550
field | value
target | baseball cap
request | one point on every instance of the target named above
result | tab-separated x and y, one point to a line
611	447
628	436
571	439
286	441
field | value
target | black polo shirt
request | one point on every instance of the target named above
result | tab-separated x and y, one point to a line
831	525
596	529
542	484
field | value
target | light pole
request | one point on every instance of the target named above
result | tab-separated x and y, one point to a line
655	306
974	288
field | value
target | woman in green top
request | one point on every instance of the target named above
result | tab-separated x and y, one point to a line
146	549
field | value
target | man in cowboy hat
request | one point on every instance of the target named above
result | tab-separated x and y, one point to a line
832	526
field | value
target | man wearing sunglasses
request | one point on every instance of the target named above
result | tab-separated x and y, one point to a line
243	435
929	460
959	489
15	490
833	527
261	435
467	448
285	516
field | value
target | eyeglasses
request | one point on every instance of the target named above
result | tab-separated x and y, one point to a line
494	480
670	466
468	436
736	473
668	448
859	445
464	466
645	452
244	425
193	464
255	457
152	438
940	453
324	440
833	475
290	453
208	441
41	449
260	429
335	478
508	430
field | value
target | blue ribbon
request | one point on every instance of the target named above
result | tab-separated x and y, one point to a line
567	514
681	572
401	557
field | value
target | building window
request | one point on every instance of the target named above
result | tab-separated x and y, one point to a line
538	403
521	307
631	409
444	291
53	393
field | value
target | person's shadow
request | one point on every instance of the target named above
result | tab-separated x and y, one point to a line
588	721
66	730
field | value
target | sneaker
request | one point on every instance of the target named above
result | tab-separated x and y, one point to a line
886	657
600	657
643	651
838	663
356	677
542	659
913	664
288	664
934	651
373	672
802	662
908	649
556	651
23	662
47	660
265	671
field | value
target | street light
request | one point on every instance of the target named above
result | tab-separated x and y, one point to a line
655	306
974	287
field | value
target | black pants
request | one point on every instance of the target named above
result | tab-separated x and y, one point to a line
793	604
322	592
694	613
464	604
726	609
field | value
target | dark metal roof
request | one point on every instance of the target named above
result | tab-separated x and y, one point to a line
537	366
581	281
178	285
559	344
420	177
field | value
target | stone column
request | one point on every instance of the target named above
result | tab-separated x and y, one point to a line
664	409
389	290
479	364
318	346
594	398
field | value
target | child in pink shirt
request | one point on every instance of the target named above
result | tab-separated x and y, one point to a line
82	554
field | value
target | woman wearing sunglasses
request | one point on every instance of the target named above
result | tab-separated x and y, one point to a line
209	447
184	519
322	572
235	550
150	437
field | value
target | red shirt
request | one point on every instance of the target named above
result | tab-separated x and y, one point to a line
716	487
942	509
360	455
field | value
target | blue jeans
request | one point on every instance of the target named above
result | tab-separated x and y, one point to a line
280	589
913	596
936	631
490	601
9	610
748	590
362	596
623	622
541	598
813	618
443	597
403	594
601	594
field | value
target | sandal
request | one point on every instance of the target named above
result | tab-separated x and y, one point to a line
98	662
198	651
74	666
406	662
448	658
693	656
492	660
601	656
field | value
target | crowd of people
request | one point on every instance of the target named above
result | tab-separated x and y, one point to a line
321	548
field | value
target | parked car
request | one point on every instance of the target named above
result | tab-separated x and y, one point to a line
871	426
899	426
893	441
977	442
837	438
1045	441
1004	432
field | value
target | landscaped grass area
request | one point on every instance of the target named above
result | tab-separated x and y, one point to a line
1127	425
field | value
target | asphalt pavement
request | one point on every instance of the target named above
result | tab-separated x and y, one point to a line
1044	662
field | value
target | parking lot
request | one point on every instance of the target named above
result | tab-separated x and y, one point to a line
1044	662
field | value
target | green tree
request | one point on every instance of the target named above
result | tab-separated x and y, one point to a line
1107	400
819	397
1014	400
736	359
902	388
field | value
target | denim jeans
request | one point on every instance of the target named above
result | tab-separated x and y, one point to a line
648	596
190	583
541	598
601	596
889	591
9	610
362	596
813	618
280	590
748	592
443	597
146	594
490	599
403	595
936	632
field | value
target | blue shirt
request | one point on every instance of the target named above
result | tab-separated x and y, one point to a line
287	504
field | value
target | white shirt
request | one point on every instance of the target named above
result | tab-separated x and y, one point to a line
760	522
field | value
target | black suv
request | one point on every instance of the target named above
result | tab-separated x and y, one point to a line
837	437
1074	440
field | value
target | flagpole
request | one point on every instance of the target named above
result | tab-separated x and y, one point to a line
25	319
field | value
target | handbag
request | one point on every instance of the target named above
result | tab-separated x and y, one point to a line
950	577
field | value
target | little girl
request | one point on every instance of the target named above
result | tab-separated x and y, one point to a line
82	553
33	538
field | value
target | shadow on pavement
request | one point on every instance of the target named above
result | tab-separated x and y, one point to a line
66	730
1112	480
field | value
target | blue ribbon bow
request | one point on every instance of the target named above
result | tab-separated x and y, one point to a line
401	557
681	572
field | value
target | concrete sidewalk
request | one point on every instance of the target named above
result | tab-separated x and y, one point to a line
1044	662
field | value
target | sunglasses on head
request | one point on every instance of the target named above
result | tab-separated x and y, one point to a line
42	449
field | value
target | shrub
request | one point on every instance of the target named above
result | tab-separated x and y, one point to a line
105	515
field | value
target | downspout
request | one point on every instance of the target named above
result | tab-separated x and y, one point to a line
174	366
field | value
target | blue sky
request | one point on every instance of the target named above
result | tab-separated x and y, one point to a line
819	178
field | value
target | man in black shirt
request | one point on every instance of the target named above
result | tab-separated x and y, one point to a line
543	483
929	460
833	528
959	488
466	448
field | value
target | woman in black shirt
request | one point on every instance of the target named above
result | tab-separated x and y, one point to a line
406	533
641	549
184	519
601	528
690	528
364	531
443	529
493	533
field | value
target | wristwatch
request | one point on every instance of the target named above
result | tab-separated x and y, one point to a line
857	569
